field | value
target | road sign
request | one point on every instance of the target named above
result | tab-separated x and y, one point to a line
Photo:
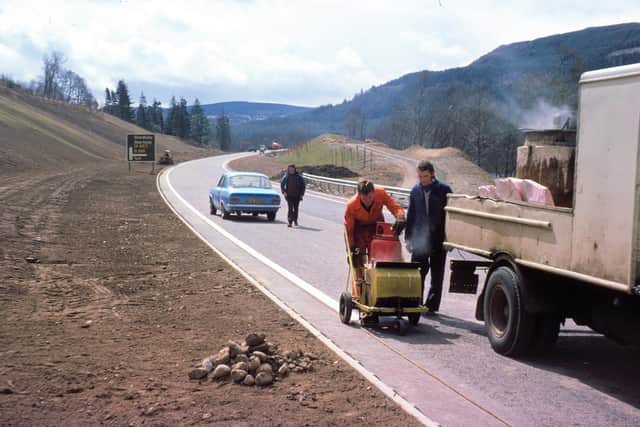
141	148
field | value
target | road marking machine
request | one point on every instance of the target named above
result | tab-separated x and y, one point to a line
381	283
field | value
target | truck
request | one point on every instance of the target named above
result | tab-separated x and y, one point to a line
577	260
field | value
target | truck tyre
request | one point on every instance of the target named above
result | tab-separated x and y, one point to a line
545	332
509	327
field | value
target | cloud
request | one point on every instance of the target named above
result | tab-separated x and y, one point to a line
301	52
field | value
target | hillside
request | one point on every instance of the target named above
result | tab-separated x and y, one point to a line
37	134
505	88
242	112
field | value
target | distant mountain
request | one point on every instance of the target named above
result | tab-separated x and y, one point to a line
477	108
243	112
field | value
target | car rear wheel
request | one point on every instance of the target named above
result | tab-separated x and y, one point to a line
225	214
271	216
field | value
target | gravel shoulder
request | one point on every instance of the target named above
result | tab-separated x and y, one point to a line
107	302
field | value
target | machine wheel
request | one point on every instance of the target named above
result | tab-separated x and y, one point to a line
271	216
346	307
545	332
401	325
225	214
414	319
509	327
212	209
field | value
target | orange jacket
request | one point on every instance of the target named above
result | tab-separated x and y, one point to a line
357	214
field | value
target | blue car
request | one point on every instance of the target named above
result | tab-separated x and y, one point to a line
244	192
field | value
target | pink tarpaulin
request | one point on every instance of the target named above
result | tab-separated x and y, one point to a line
518	190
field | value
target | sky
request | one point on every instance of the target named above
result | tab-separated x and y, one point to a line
300	52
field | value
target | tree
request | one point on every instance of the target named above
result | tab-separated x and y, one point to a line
155	116
223	132
124	110
200	126
170	124
52	68
183	120
142	118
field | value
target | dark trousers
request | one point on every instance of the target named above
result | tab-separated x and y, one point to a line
434	262
293	203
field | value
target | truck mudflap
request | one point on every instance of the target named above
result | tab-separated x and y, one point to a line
463	279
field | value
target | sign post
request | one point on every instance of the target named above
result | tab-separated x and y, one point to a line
141	149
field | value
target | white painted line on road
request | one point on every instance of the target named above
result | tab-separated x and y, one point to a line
307	287
369	376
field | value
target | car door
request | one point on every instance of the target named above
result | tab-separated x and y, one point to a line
217	191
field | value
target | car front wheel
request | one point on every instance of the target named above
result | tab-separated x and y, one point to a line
212	208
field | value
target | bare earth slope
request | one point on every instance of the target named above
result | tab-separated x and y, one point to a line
38	134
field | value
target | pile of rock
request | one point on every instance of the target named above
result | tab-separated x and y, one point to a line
254	362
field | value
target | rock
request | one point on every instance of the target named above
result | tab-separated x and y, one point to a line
254	363
241	358
264	378
235	349
206	416
221	371
261	347
221	358
32	259
86	324
207	364
197	374
238	375
241	365
253	340
283	371
260	355
249	380
6	390
265	367
272	348
311	356
292	355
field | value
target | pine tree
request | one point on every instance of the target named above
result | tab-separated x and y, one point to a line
223	132
200	126
107	101
155	116
170	124
142	119
124	102
183	120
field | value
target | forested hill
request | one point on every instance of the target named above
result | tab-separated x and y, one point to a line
477	108
242	112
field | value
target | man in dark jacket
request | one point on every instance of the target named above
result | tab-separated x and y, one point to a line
292	186
424	234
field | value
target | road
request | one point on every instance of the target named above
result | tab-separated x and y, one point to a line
445	366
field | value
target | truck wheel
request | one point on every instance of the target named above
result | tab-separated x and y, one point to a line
212	209
509	327
346	307
271	216
545	332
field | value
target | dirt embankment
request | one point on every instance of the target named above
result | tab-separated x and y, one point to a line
108	301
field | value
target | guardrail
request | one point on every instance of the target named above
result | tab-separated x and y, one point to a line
402	194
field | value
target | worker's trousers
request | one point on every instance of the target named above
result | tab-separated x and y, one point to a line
434	263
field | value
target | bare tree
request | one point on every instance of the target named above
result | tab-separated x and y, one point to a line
52	67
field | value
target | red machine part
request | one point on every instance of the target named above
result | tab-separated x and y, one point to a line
385	245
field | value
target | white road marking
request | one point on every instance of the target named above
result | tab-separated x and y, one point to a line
368	375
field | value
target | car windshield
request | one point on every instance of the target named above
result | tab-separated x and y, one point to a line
249	181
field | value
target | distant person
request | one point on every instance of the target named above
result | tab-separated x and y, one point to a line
424	234
293	187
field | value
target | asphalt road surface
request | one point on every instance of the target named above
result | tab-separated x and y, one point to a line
445	366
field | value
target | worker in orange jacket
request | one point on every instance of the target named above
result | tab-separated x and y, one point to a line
363	211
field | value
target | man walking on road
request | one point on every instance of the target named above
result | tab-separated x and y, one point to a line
424	234
292	186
